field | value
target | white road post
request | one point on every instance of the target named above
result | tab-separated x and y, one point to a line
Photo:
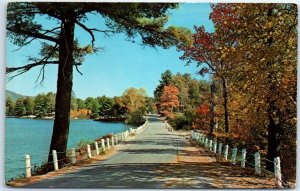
257	163
55	162
233	156
89	153
97	148
206	142
117	138
210	145
226	152
123	136
112	141
215	146
103	145
107	143
27	166
200	139
73	156
277	172
243	161
220	149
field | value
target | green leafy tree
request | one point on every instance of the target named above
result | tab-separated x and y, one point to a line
50	102
80	103
166	79
9	106
150	105
29	105
143	20
93	105
40	105
20	109
74	103
106	106
119	108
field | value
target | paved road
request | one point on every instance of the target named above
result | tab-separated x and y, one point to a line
134	166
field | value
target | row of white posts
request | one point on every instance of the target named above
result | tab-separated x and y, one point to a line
212	146
168	126
106	144
137	130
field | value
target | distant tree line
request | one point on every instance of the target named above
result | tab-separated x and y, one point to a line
132	105
41	105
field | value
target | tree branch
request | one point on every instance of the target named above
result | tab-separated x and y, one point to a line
78	70
32	34
27	67
34	38
90	31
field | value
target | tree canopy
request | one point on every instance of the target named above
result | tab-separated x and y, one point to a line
143	20
253	51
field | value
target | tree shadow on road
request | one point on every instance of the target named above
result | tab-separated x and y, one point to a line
157	175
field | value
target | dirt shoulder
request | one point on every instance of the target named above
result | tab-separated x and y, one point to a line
198	168
79	164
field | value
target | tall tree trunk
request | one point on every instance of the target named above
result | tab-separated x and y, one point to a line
273	138
273	128
225	97
212	108
64	88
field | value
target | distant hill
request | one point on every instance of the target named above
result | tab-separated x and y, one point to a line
13	95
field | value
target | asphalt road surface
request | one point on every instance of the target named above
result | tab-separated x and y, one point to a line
133	166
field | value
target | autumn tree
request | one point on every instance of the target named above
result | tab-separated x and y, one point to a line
169	100
135	102
165	80
145	20
182	83
205	52
263	64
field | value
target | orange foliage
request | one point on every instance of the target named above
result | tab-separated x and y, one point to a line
169	100
203	109
80	113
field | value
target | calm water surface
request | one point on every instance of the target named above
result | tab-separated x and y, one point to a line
33	136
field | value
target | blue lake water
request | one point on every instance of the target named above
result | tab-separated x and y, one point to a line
33	137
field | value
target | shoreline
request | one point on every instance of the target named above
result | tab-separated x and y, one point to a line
110	119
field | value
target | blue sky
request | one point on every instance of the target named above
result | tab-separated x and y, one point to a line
122	65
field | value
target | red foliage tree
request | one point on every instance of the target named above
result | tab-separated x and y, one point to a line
203	109
169	100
